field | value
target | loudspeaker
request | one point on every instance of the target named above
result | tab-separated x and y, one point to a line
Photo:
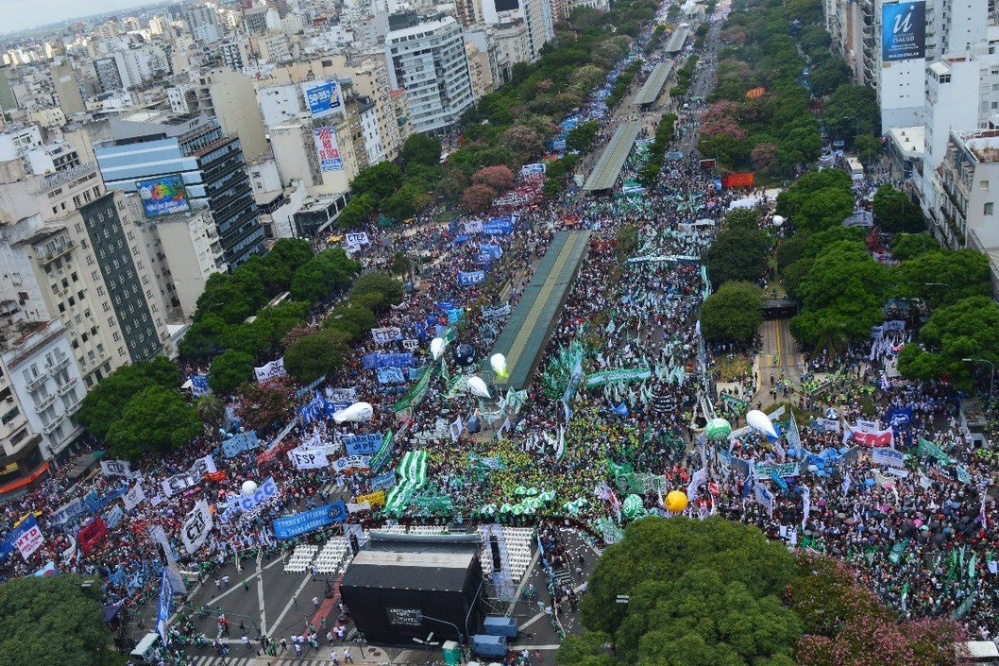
494	547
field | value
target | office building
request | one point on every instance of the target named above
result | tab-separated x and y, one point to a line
203	23
192	157
427	59
67	89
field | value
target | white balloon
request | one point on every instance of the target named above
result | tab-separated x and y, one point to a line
437	347
248	488
359	411
477	387
498	362
760	422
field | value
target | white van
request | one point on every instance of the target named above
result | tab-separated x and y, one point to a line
145	650
979	652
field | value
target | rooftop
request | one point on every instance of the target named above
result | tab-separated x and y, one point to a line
983	144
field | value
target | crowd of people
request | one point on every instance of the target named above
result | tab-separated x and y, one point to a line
922	535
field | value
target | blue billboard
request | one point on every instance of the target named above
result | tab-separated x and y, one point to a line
903	31
322	97
164	195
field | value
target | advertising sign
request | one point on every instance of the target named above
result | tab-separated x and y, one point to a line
322	98
328	149
903	31
165	195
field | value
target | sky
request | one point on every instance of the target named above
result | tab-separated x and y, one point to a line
22	14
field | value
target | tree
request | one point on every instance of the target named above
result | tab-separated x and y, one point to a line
737	254
741	218
354	321
907	246
942	277
733	313
764	158
498	178
357	212
894	211
851	111
157	418
378	181
323	276
265	407
525	142
229	371
52	621
290	254
233	297
211	411
201	341
967	329
390	289
587	649
319	354
824	209
791	200
103	405
829	76
477	198
868	149
421	149
407	201
700	593
582	137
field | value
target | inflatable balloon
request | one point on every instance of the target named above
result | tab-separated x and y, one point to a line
464	355
676	501
498	363
760	422
478	387
718	430
632	507
248	488
359	411
437	346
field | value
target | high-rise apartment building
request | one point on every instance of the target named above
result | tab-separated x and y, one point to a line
193	158
203	22
426	58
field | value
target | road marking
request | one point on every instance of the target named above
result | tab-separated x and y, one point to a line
288	606
260	597
523	581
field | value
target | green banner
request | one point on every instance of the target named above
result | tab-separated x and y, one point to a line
895	556
416	394
735	403
383	454
766	471
598	379
927	449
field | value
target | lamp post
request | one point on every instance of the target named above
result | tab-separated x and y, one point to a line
992	373
450	624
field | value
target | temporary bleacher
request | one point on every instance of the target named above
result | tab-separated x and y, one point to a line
332	555
301	558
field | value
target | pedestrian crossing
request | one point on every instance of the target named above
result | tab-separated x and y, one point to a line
239	657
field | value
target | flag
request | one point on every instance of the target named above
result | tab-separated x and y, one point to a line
776	478
793	437
806	505
560	451
847	482
971	566
905	595
697	479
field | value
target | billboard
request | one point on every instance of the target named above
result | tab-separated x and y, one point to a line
903	31
164	195
322	97
328	149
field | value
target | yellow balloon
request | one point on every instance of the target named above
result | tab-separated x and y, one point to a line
676	502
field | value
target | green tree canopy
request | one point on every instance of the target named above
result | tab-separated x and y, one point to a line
907	246
201	341
894	211
733	313
324	275
378	181
357	212
315	355
421	149
967	329
390	289
736	255
229	371
52	621
354	321
851	111
157	418
942	277
742	218
103	406
233	297
582	137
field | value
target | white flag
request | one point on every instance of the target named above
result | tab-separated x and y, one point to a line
196	527
134	497
116	468
456	428
697	479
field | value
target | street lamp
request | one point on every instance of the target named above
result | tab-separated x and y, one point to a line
450	624
992	373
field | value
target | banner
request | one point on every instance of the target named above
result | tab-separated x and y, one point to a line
608	377
91	535
496	312
895	556
328	149
736	180
737	405
383	482
362	445
382	456
766	471
825	425
357	239
272	370
876	439
203	466
68	512
240	443
927	449
116	468
26	538
164	607
177	484
764	498
471	278
113	517
308	458
196	527
374	500
416	394
351	464
889	457
903	31
473	227
310	521
199	385
134	497
374	361
264	492
342	395
386	334
899	417
390	376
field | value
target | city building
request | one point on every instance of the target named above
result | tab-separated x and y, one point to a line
191	156
67	89
203	23
427	59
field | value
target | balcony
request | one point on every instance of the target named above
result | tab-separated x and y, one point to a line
67	387
45	403
52	426
60	364
46	255
38	381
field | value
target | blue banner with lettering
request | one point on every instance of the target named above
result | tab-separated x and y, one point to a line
362	445
494	251
310	521
390	376
239	443
199	385
471	279
899	417
456	316
375	361
383	482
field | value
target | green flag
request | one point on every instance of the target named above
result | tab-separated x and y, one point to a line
971	566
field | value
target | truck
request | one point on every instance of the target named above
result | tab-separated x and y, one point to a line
855	168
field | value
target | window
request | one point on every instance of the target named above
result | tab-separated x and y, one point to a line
988	207
983	184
